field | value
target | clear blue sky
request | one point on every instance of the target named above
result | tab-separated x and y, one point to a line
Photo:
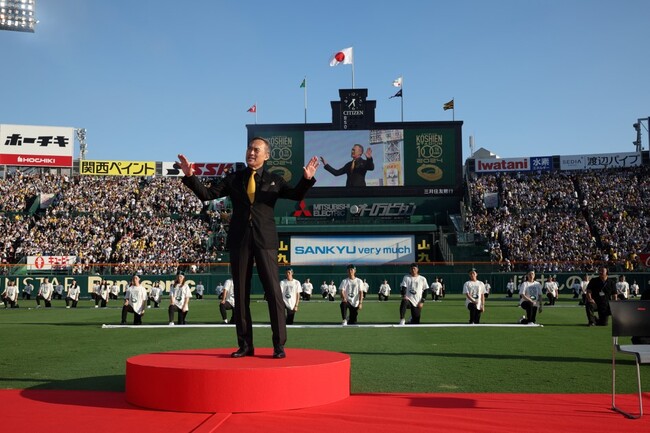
151	78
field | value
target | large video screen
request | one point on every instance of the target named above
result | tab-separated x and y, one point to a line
387	160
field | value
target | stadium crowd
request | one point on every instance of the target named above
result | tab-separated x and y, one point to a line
125	224
562	221
558	221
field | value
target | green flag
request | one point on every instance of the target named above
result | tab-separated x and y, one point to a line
304	83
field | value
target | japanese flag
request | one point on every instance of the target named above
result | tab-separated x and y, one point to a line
344	56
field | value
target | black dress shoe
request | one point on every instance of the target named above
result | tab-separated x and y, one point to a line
278	352
243	351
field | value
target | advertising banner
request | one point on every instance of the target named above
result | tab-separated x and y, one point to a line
201	169
36	146
360	250
117	168
501	165
46	263
600	161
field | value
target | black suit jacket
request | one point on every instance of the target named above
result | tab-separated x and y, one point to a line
356	177
259	216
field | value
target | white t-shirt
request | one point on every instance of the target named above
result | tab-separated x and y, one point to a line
510	287
137	297
307	288
115	289
436	287
531	289
156	293
475	290
290	292
384	289
104	291
414	288
325	288
623	288
73	292
46	290
199	289
352	289
332	289
230	294
551	288
179	295
11	292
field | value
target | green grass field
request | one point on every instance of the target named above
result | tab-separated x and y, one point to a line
62	348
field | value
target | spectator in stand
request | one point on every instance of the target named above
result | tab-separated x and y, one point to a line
135	301
45	294
72	295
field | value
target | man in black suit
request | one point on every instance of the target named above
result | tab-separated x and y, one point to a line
355	169
253	235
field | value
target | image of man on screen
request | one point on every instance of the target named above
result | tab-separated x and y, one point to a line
356	168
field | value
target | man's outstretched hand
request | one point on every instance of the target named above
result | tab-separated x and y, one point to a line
185	165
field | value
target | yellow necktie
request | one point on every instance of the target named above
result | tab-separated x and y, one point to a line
250	190
352	166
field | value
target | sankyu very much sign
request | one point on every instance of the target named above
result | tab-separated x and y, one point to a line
36	146
360	250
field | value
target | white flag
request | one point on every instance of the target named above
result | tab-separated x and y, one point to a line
397	82
344	56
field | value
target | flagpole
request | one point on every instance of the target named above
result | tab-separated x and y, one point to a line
256	112
402	98
353	74
453	110
305	98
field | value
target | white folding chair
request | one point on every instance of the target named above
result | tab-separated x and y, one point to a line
630	318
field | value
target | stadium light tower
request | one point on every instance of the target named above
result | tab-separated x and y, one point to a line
637	127
81	137
18	15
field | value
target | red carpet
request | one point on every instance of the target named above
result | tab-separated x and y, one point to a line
97	412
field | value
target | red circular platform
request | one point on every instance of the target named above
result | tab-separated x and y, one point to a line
209	380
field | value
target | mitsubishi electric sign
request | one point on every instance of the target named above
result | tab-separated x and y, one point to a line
36	146
360	250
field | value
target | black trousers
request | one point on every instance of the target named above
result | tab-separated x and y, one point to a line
137	318
603	314
290	316
99	299
242	255
474	313
26	295
48	303
155	304
415	311
181	314
383	297
531	311
69	301
551	298
223	308
354	313
9	303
